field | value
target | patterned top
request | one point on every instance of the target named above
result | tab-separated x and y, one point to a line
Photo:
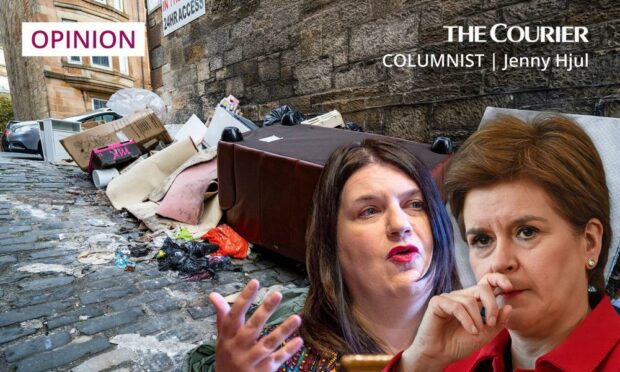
308	359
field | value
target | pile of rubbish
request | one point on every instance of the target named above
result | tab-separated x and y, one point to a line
194	260
166	176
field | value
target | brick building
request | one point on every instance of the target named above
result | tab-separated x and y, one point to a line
63	86
318	55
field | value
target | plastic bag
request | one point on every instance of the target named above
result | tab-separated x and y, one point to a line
183	233
231	244
285	115
122	261
214	264
188	257
128	100
174	257
200	249
349	125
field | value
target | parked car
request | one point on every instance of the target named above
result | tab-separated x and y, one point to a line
24	136
5	134
102	115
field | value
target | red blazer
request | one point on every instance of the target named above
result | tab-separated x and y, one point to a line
593	345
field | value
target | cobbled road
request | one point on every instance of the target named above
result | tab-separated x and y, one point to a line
57	313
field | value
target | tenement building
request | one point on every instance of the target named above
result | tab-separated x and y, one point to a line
63	86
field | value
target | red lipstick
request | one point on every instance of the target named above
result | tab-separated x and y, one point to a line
403	253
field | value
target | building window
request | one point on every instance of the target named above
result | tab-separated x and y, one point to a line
123	65
118	4
99	103
75	59
100	61
102	1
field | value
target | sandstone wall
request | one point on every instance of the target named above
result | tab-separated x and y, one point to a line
318	55
50	86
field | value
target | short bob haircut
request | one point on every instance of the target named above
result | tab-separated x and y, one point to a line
328	315
551	151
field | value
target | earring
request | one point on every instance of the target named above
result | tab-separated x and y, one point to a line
591	263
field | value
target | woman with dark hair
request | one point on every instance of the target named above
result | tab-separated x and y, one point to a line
379	245
532	203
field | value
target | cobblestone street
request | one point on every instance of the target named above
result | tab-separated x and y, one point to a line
58	313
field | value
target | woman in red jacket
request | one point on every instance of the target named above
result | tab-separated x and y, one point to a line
532	203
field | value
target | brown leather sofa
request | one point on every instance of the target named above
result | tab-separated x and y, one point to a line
265	188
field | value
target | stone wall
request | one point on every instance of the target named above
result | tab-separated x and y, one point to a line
318	55
28	91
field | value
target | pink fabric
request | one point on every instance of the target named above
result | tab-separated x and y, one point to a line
185	198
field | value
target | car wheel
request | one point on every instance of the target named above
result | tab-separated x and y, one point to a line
40	149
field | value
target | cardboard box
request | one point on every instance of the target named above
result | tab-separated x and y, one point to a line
143	127
91	124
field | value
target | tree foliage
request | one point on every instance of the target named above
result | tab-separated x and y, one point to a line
6	111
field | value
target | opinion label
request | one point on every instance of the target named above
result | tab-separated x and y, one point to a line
57	39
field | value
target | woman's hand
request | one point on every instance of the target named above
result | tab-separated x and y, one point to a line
237	347
453	327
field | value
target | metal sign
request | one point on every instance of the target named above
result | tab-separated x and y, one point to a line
177	13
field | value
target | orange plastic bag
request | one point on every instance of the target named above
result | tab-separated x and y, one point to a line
231	244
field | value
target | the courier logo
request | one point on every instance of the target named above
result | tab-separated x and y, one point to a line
502	61
57	39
